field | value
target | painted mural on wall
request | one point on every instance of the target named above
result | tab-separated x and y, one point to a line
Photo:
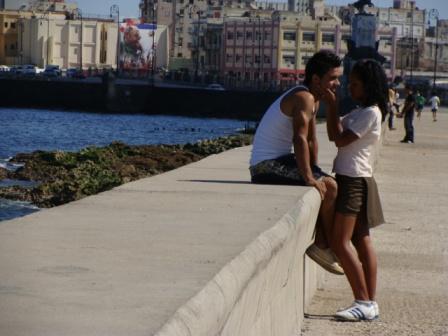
136	45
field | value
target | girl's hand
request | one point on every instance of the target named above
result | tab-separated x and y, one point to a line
329	97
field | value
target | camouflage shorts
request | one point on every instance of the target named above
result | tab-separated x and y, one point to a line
282	170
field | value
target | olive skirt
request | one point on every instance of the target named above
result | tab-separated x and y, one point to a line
359	196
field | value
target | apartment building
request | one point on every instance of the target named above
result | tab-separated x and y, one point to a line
279	48
78	42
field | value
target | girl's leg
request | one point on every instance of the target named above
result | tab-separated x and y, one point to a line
366	253
343	228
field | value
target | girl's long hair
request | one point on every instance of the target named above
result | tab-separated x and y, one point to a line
374	80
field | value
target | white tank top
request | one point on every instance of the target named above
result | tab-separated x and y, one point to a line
274	133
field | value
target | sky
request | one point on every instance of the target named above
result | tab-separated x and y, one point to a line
129	8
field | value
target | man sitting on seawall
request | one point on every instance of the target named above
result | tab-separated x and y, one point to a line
291	122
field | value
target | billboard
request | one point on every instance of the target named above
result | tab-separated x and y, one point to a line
137	45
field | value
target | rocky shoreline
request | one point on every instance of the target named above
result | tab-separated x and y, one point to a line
68	176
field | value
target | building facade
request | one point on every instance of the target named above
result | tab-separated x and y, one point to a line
69	43
277	50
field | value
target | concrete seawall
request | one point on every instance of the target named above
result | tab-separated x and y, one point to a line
195	251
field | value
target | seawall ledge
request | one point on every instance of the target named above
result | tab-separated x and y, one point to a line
195	251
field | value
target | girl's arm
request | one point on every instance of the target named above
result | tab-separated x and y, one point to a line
335	131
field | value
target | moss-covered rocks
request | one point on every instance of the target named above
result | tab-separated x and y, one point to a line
68	176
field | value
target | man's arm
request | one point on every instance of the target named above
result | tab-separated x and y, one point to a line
312	141
302	115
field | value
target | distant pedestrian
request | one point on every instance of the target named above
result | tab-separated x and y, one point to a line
435	102
358	206
396	103
420	103
408	112
392	101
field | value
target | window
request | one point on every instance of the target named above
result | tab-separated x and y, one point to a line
309	37
237	58
329	38
6	24
305	59
248	35
266	35
257	59
239	35
289	36
230	35
13	25
289	59
267	59
229	58
248	59
346	37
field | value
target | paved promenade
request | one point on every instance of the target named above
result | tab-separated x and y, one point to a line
412	247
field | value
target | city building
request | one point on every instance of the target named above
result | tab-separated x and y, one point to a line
38	5
70	42
435	49
258	52
9	36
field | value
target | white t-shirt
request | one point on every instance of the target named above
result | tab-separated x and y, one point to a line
355	159
435	101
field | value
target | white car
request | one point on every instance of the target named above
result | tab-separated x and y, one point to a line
216	87
4	68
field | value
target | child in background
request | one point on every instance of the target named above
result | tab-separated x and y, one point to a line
358	206
435	102
420	103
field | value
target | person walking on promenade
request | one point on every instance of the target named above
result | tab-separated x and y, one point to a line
420	104
392	103
396	103
358	206
291	122
435	102
408	113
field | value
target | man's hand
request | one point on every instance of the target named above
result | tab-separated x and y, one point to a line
320	186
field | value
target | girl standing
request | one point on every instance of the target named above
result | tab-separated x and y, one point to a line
358	206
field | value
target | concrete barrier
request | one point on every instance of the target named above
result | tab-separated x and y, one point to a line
195	251
263	290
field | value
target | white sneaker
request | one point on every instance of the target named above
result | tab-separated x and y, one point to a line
376	308
357	312
325	258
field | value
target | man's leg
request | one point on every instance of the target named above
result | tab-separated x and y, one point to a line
320	250
326	215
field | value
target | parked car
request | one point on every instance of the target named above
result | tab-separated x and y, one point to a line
74	73
216	87
52	71
4	68
16	69
30	70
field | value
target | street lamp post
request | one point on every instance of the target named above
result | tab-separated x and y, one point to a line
115	10
412	43
434	14
154	30
197	46
79	13
260	58
48	37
